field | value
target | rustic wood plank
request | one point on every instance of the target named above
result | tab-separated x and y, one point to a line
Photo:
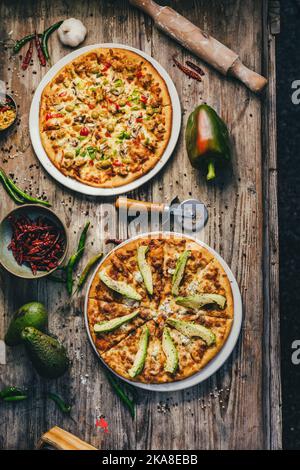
231	409
272	376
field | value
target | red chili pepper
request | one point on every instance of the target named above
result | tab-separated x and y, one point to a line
117	163
187	71
84	132
139	119
27	57
91	106
53	115
139	74
195	67
39	49
63	93
106	67
117	106
107	134
144	99
128	103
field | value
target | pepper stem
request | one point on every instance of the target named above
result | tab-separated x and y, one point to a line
211	171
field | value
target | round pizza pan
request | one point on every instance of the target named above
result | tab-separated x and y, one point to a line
77	185
222	355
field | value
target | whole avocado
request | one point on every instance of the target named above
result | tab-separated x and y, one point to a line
47	354
30	314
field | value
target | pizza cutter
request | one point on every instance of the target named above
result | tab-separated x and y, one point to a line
190	214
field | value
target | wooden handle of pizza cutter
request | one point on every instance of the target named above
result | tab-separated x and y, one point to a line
63	440
201	43
126	203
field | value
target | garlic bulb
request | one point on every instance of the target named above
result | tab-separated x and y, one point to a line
72	32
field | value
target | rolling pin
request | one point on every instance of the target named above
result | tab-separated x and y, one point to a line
201	44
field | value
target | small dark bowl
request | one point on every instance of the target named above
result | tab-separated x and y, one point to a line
7	259
14	105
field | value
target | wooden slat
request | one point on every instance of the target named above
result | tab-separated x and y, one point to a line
238	407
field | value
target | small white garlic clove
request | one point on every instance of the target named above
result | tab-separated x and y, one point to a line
72	32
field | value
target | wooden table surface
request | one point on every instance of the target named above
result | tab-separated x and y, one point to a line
240	406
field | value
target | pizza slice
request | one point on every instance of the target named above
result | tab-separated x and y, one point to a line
104	313
119	279
208	290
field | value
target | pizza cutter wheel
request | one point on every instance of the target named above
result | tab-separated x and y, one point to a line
190	214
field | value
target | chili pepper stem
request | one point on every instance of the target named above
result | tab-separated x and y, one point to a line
211	171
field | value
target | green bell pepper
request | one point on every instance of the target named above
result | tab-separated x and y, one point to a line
207	140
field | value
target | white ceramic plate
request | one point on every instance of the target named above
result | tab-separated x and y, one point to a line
218	360
77	185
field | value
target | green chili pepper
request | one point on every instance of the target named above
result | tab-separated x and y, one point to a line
14	196
121	394
46	34
83	236
16	193
76	258
207	140
19	44
13	394
62	405
70	267
16	398
87	269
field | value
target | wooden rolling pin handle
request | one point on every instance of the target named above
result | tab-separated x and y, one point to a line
126	203
251	79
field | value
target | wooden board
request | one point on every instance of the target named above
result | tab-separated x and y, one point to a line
239	407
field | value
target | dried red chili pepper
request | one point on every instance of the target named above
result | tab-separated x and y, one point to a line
39	49
38	243
28	56
190	73
195	67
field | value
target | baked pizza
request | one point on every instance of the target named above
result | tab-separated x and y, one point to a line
106	117
159	309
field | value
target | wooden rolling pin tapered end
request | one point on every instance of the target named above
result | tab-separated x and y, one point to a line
251	79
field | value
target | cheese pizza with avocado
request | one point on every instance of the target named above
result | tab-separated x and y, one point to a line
106	117
159	309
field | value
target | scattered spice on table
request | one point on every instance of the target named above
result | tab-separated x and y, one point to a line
7	113
38	243
190	73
